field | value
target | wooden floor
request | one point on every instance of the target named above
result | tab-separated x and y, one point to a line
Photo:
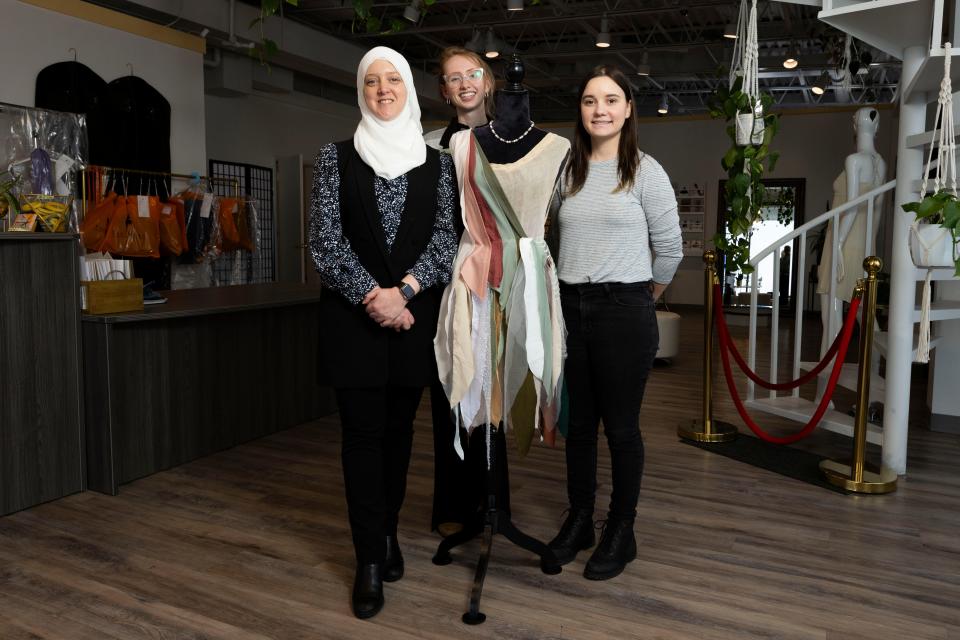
253	543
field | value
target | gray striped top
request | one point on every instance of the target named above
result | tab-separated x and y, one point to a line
608	237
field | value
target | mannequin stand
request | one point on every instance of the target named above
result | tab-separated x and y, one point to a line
491	521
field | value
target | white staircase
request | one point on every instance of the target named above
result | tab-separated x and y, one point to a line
912	31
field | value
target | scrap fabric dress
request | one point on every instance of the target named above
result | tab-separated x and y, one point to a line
500	340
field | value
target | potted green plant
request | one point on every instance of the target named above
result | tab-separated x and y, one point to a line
941	213
745	165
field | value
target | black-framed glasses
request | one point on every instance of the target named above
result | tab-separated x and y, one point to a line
456	79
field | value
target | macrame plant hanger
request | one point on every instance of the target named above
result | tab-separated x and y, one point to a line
746	55
945	175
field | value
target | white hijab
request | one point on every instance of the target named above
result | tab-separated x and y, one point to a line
390	147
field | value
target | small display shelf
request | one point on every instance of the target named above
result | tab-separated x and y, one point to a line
690	208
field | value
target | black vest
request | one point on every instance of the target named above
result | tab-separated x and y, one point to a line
354	350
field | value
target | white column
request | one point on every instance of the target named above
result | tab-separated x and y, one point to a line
896	406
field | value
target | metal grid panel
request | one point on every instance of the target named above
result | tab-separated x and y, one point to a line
256	182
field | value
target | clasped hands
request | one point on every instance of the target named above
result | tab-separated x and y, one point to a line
387	308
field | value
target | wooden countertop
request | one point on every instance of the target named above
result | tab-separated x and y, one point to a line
186	303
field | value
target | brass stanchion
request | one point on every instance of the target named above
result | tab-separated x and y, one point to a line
707	429
856	476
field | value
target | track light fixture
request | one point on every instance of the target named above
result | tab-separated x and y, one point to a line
603	37
643	69
412	11
492	47
475	43
664	107
792	59
514	5
730	31
820	86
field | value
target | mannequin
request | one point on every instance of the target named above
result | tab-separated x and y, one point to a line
512	120
863	171
503	292
526	163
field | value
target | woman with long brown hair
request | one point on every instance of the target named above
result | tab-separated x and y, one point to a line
618	211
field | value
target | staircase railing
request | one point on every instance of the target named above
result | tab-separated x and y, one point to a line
773	250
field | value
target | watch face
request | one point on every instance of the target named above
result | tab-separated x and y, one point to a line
406	291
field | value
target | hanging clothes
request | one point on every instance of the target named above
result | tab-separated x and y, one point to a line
76	88
500	341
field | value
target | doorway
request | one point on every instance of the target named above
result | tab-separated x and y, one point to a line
782	211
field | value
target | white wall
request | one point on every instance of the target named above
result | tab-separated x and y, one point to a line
259	128
32	38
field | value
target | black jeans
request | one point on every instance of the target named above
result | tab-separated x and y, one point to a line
612	339
377	428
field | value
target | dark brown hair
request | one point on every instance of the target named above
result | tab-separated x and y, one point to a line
489	82
628	155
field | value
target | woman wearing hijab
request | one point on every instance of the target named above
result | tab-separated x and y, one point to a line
381	234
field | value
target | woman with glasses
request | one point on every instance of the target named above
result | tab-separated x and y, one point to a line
466	83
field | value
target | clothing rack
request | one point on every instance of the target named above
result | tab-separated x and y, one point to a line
90	168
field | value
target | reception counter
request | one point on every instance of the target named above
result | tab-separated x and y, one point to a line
207	370
41	430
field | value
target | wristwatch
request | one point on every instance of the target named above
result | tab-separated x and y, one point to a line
406	290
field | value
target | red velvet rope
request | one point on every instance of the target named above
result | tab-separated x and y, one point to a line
808	428
805	378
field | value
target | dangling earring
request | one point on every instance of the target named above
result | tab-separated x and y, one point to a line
448	100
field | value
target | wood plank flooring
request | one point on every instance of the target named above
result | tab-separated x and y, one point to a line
252	543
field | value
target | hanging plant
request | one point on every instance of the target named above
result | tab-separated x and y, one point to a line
745	165
941	208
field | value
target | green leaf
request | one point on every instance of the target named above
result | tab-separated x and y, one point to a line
269	7
373	24
747	269
295	3
397	25
772	160
951	214
911	207
730	158
741	182
930	205
270	48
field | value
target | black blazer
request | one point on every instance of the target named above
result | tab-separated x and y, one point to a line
354	350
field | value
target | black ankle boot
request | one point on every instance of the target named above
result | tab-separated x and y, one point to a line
575	535
367	591
617	547
393	564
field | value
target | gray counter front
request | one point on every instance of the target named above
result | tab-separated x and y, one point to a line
207	370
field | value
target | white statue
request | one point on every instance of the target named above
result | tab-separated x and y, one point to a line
863	171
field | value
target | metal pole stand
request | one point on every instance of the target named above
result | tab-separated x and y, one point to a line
856	476
495	519
708	429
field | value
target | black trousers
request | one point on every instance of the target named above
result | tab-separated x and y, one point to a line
377	436
612	339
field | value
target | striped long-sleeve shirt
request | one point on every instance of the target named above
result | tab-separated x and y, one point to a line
608	237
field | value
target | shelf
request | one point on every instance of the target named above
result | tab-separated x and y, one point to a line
888	25
921	140
801	410
941	310
928	77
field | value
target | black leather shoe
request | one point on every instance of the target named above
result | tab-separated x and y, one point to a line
617	547
367	591
393	564
574	536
